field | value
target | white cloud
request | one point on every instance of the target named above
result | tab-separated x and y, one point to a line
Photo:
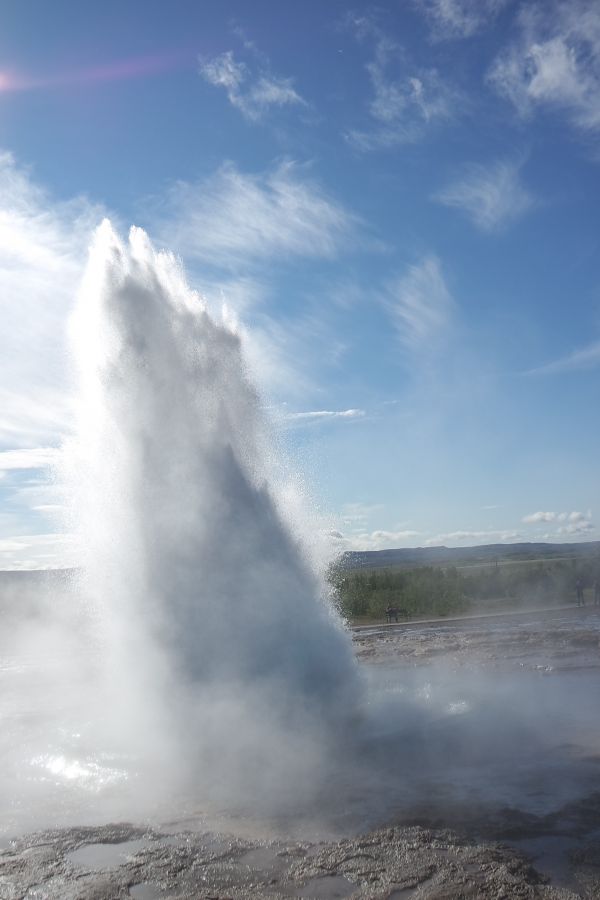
579	516
453	538
491	196
234	219
31	458
223	71
375	540
534	518
421	305
554	62
254	92
577	528
405	104
42	251
38	551
582	359
575	521
459	18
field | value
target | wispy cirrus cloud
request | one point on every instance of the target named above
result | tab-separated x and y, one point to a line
407	100
579	360
254	89
421	305
234	218
491	196
450	19
554	63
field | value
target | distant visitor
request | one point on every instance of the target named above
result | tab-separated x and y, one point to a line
392	613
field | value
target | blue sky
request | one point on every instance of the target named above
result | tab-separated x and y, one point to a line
400	202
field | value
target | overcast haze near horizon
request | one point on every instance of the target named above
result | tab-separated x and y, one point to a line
400	204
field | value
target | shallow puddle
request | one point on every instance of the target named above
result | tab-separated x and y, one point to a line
105	856
262	858
146	891
326	887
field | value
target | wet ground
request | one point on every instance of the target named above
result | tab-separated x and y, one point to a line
537	640
480	778
411	862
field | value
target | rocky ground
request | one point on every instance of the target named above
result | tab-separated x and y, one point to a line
119	861
563	639
430	852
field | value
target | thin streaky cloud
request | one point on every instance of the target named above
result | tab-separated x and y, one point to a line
474	537
324	414
254	93
491	196
580	360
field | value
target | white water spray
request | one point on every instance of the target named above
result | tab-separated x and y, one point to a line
225	660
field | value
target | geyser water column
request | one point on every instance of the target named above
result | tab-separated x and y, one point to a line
212	617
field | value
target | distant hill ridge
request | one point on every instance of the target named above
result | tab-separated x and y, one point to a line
436	556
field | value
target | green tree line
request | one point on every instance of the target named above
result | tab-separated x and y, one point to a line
422	591
437	591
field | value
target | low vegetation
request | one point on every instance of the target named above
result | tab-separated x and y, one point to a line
365	594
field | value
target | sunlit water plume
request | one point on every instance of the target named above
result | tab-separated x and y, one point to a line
224	667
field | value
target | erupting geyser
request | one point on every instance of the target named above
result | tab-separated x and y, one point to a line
225	661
